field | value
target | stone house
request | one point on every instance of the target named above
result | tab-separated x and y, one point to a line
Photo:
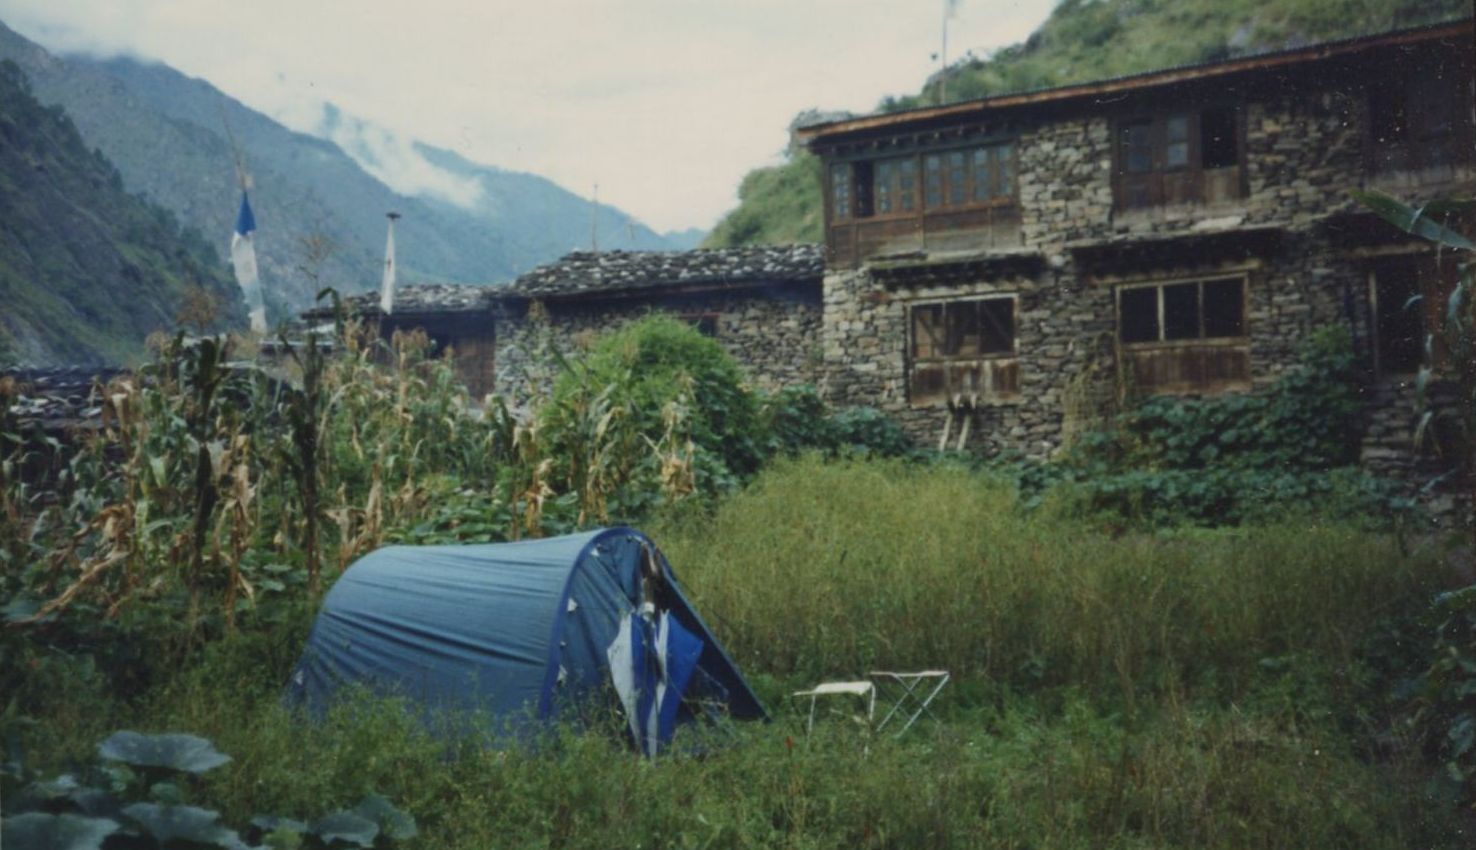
991	264
761	303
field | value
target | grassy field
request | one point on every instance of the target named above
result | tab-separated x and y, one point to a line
1207	689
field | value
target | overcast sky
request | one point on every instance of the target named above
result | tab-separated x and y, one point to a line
664	103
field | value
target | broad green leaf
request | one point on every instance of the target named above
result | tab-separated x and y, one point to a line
182	823
1413	220
348	827
189	753
38	831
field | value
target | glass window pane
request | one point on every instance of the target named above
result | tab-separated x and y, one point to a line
840	190
933	181
956	178
1224	308
997	325
1137	314
907	185
884	176
1176	128
1004	186
1181	311
979	164
1176	155
1137	146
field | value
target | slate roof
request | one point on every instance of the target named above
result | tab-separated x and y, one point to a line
56	398
587	273
416	299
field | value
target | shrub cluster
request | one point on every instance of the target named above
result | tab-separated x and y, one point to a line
1232	459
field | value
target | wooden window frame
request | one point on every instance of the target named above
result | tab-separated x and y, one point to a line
1158	144
970	174
913	361
879	167
1201	340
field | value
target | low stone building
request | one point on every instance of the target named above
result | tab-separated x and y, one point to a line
760	303
1180	231
456	318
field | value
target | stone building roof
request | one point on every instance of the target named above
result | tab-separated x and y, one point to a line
57	398
417	299
587	273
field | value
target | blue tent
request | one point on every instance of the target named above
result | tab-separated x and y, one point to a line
524	629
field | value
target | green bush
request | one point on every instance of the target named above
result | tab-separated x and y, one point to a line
1291	449
797	419
649	377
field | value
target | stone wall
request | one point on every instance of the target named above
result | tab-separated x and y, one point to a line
774	333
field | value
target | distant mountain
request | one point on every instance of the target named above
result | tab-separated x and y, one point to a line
87	270
167	134
1081	40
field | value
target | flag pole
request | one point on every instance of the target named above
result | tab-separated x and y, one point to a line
943	54
387	284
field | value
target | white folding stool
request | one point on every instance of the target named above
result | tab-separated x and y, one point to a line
866	690
915	692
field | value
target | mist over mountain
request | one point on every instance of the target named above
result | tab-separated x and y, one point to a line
516	203
175	138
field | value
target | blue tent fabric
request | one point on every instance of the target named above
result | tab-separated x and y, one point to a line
513	629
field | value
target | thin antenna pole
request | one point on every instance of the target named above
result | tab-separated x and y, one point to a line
235	148
594	221
943	54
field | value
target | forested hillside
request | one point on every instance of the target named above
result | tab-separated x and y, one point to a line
1082	40
87	270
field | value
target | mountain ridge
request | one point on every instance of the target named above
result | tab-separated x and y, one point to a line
165	131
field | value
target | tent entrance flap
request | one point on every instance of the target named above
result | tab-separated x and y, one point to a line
652	660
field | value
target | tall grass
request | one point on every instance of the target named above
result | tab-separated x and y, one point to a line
822	570
1188	690
1008	778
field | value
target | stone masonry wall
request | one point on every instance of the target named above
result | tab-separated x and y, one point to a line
774	334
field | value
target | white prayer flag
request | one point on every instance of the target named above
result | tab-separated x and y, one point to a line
243	258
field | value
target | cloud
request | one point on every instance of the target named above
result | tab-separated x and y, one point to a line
394	159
